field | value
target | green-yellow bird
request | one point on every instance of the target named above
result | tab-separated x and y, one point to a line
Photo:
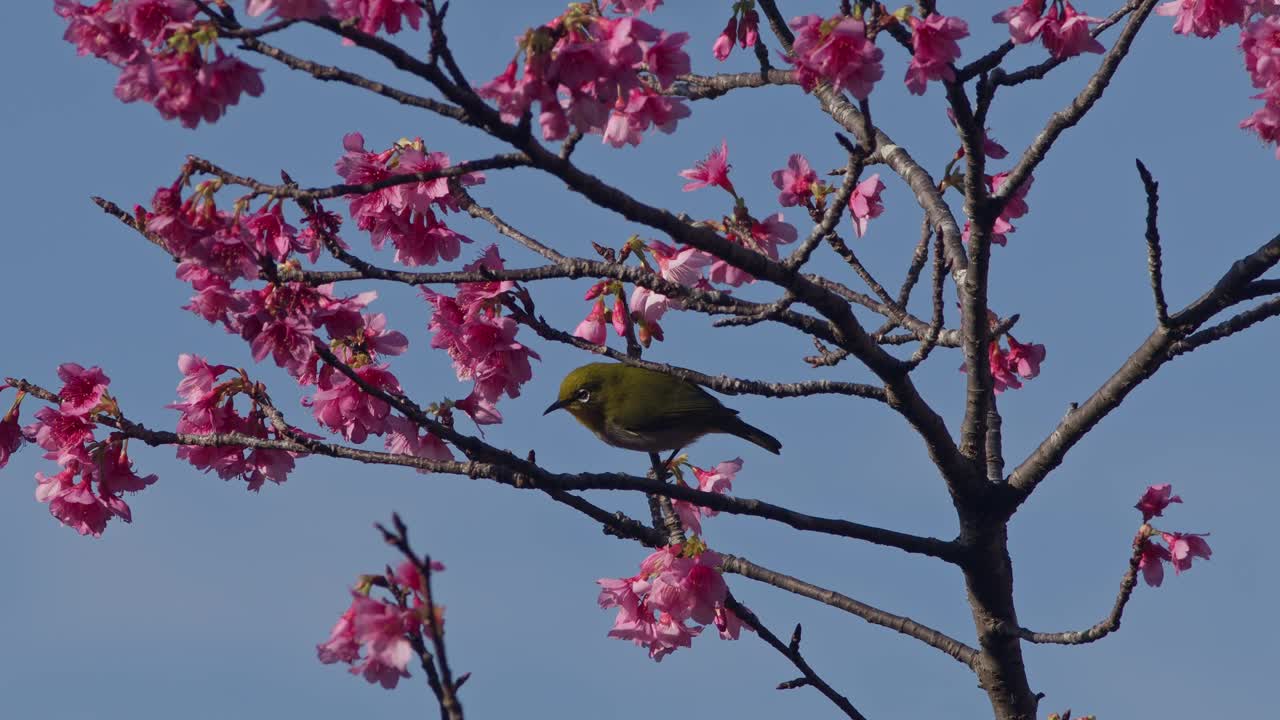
640	409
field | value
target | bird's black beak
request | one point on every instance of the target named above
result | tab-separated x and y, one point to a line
555	406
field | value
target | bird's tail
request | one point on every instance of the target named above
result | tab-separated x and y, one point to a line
751	433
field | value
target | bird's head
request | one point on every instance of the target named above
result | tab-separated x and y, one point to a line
584	392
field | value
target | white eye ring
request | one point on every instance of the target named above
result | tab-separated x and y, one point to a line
584	395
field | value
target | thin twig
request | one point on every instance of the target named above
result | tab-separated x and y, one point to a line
1103	627
792	653
1154	266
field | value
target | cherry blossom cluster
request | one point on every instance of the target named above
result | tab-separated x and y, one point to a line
1064	31
88	491
1258	42
166	57
678	591
600	74
208	407
743	28
404	213
718	479
1010	367
740	227
841	50
481	340
1179	548
376	635
799	185
283	318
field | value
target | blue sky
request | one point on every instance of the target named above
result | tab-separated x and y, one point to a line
209	605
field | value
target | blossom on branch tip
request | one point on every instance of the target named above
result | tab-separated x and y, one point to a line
1154	501
716	480
1067	34
1151	562
593	327
836	50
933	49
1024	20
10	435
1183	547
865	203
725	40
796	181
711	171
678	591
1204	18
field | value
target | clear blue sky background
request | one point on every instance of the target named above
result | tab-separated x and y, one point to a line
210	604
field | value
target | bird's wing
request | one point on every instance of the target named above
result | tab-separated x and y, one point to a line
683	403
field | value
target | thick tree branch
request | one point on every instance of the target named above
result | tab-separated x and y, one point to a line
905	625
1142	364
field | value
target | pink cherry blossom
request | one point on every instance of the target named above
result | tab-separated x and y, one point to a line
593	328
1025	359
1260	43
10	434
723	45
933	49
403	213
98	30
1155	500
666	58
1024	20
405	438
713	171
865	203
58	432
1068	35
342	406
588	74
717	480
749	28
82	389
1184	547
1265	121
289	8
837	51
1151	562
1204	17
729	624
678	591
373	15
341	645
796	182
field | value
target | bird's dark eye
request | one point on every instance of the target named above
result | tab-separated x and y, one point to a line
584	395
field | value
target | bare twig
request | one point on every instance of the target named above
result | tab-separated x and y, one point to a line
1154	267
792	653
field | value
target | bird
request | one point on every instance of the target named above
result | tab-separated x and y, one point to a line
637	408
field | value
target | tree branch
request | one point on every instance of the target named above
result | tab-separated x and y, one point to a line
792	653
927	635
1103	627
